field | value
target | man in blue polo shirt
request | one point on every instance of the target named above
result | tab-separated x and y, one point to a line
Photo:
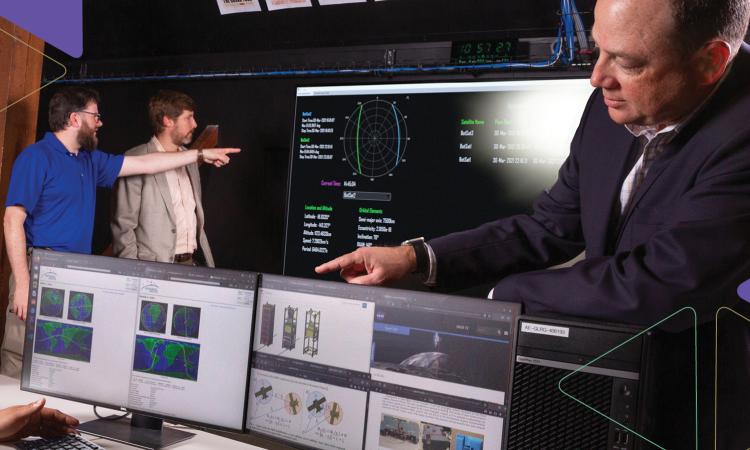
52	195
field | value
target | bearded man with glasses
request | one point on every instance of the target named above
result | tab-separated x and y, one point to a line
52	195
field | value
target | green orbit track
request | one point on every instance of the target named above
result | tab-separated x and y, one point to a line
359	118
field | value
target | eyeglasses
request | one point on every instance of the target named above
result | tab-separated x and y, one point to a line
96	115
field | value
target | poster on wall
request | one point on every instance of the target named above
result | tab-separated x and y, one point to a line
339	2
237	6
284	4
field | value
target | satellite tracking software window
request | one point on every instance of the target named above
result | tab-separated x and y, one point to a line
74	327
191	343
310	363
363	156
440	372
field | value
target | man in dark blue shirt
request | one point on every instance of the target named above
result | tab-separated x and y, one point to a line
52	194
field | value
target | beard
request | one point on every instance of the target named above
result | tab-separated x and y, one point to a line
87	137
181	138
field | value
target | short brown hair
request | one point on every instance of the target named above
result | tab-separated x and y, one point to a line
68	100
698	21
170	104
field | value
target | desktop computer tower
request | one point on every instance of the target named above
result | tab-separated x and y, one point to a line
547	350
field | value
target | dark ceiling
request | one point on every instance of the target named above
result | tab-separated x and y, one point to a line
147	28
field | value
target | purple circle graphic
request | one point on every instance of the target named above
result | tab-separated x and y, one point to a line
744	291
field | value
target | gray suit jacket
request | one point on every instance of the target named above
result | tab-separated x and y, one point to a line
143	224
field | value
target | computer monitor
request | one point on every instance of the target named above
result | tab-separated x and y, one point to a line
159	339
379	164
343	366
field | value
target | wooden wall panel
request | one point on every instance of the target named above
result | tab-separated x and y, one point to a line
20	73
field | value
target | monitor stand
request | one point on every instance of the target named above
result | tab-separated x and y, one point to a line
140	431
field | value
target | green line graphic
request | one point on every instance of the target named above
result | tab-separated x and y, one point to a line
65	69
166	357
716	366
359	118
695	374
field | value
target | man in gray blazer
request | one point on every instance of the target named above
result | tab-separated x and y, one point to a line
159	217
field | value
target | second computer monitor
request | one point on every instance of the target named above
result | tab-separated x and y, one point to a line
344	366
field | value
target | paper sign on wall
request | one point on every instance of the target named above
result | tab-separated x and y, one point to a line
237	6
338	2
284	4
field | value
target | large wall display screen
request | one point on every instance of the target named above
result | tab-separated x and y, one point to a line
375	165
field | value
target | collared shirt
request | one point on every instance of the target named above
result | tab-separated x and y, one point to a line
183	205
654	141
58	190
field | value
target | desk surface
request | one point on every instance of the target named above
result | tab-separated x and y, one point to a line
11	394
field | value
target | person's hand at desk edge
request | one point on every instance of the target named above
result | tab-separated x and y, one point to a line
18	422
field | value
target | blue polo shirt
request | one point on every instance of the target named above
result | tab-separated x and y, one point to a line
58	191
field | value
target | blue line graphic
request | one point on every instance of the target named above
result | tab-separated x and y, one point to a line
398	137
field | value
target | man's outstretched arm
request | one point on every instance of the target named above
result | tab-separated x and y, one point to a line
159	162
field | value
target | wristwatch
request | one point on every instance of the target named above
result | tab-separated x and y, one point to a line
200	155
420	250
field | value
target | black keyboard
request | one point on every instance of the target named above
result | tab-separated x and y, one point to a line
68	442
